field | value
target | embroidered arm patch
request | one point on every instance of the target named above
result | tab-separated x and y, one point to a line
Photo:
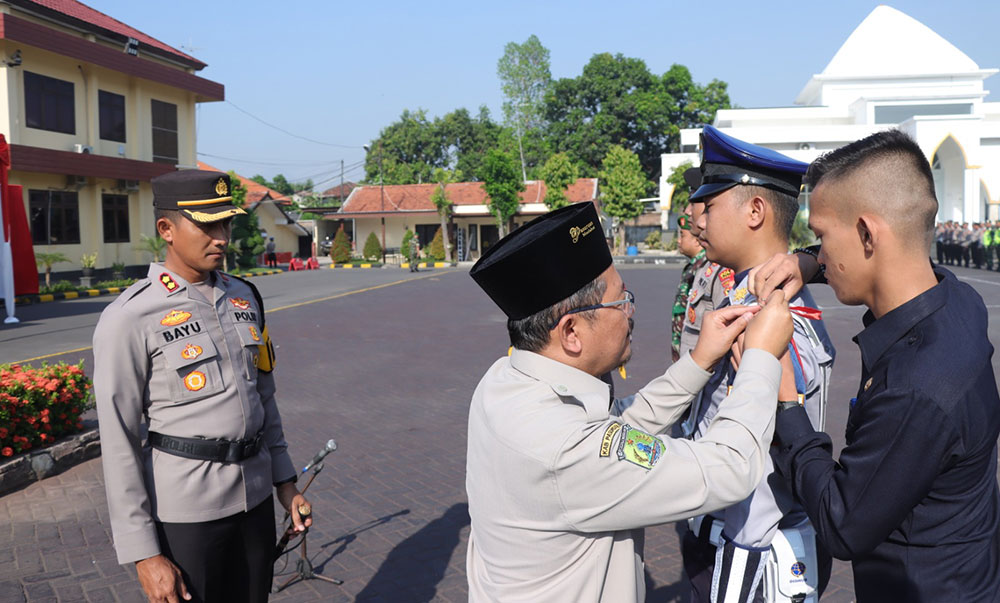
639	448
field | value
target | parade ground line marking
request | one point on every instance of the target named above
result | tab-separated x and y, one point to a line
978	280
346	293
305	303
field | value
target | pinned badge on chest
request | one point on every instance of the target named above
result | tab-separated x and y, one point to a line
195	380
174	318
191	351
240	303
254	334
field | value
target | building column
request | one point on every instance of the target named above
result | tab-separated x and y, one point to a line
971	212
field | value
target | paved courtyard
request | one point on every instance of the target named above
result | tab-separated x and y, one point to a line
388	372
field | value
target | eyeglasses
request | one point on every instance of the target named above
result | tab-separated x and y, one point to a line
627	306
682	223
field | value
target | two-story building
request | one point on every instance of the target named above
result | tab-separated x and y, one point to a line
93	110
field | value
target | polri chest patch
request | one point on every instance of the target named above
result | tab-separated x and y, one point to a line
639	448
245	316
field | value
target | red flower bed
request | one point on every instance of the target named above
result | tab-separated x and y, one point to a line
39	406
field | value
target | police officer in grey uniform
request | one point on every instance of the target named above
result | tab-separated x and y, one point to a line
186	351
562	477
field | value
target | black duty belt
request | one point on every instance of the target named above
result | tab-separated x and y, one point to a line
219	451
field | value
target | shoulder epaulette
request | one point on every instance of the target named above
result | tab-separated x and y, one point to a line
135	289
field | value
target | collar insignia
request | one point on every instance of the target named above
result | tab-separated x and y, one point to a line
240	303
167	281
175	317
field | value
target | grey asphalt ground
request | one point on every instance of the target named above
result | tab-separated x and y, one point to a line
386	368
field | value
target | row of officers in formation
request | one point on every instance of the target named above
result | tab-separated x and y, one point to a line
563	472
957	243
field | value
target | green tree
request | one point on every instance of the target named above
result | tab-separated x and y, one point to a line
467	139
801	235
340	251
237	190
246	242
410	149
503	185
679	198
525	78
46	261
443	204
618	101
623	185
558	173
436	249
372	249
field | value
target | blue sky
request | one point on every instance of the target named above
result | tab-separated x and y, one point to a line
338	72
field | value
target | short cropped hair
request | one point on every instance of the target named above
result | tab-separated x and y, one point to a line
784	206
532	333
896	177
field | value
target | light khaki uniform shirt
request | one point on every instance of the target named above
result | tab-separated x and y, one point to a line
186	366
560	485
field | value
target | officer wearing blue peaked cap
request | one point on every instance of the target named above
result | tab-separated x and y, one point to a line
727	162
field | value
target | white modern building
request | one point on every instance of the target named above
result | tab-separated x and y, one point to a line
892	72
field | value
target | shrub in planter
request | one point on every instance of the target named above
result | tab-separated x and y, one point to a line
39	406
372	249
436	249
340	251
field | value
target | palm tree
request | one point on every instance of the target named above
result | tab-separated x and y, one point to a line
443	204
153	245
46	260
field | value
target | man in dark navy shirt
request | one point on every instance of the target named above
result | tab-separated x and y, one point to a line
913	500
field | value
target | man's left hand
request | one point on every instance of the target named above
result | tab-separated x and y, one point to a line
291	499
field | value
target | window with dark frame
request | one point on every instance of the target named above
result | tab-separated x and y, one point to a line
49	103
115	212
111	109
55	217
164	132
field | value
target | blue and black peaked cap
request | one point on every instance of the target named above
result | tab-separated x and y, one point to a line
727	162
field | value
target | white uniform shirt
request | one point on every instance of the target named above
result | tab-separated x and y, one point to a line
560	485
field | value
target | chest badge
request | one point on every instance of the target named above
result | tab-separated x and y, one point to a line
194	381
868	383
240	303
709	271
168	282
191	351
692	315
254	334
174	318
693	296
728	279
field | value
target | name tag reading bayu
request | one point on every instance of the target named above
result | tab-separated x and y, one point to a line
181	331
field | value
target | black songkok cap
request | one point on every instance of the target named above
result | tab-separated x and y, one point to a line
201	195
545	261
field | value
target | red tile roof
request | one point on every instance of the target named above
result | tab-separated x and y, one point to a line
80	13
339	190
417	197
255	192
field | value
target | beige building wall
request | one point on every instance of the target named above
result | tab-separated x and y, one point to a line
87	80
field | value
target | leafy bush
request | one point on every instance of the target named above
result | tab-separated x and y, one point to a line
436	249
340	251
121	283
58	287
671	244
372	249
801	235
654	239
38	406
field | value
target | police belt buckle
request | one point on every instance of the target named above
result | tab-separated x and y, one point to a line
201	449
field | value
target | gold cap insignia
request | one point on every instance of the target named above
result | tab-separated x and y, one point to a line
220	188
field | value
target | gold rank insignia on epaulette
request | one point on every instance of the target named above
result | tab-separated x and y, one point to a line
265	353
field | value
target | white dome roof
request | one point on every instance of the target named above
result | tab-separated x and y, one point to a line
890	43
